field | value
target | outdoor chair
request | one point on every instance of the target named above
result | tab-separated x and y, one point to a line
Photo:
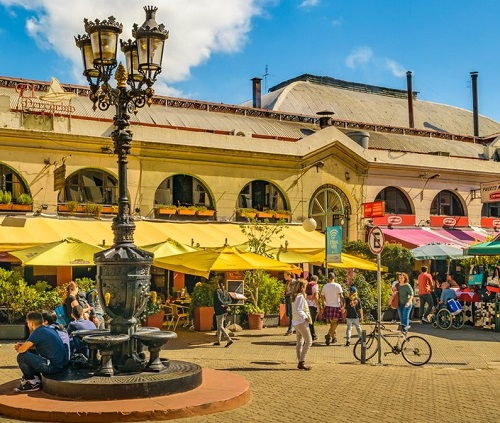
179	313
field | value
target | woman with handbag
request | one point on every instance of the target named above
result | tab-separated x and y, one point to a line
394	301
405	294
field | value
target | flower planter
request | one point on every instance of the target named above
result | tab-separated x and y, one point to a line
12	331
186	212
166	211
203	318
285	216
264	215
22	207
283	317
271	320
205	212
255	321
156	320
109	210
63	208
5	207
249	215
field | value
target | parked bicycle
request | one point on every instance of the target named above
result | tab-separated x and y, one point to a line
446	316
414	349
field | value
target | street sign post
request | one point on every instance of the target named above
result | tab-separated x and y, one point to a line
376	244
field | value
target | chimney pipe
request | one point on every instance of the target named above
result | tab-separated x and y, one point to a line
256	92
409	90
361	137
475	113
325	118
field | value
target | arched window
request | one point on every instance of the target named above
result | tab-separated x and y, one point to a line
11	182
491	209
183	190
262	195
329	206
90	186
395	200
446	203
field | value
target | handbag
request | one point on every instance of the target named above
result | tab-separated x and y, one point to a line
394	299
475	277
493	280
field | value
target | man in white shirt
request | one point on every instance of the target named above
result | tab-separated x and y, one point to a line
333	300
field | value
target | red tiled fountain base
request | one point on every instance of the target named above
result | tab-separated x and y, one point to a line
219	391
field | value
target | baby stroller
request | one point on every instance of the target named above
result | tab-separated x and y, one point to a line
445	316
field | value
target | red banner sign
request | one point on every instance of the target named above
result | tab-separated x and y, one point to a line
449	221
490	222
235	275
395	220
373	209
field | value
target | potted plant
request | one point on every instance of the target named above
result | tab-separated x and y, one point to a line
186	211
202	305
255	312
248	213
203	211
281	214
109	210
70	207
265	214
271	292
166	209
5	200
93	209
153	314
24	202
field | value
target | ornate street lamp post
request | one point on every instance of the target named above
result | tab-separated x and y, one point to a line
123	271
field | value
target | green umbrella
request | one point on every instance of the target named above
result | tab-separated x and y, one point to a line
490	248
436	251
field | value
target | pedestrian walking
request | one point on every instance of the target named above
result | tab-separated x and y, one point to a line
300	321
332	297
425	288
405	293
354	314
312	298
289	285
221	303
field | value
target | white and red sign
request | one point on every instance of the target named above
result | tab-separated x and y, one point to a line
395	220
490	192
376	240
449	221
490	222
373	209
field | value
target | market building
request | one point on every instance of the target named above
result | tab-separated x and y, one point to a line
206	162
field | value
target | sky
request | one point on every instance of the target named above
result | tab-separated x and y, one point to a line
216	46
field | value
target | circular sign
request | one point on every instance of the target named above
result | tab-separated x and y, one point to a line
376	240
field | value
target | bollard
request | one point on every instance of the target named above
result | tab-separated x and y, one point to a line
363	346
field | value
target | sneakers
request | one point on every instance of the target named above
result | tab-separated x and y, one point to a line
315	338
29	385
328	339
229	343
347	343
302	366
216	344
289	332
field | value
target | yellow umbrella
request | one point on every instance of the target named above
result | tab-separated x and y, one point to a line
167	248
67	252
224	259
348	262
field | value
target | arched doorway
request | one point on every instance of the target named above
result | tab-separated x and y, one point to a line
447	203
396	201
329	206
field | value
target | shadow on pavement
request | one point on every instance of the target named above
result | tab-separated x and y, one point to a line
256	369
465	334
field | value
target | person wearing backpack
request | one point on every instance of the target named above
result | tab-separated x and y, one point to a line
312	298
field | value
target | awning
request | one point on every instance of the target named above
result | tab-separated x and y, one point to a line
416	237
467	236
21	232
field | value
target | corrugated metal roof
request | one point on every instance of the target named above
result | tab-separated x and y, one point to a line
309	98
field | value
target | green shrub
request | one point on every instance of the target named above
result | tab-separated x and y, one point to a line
5	197
24	199
93	209
271	292
203	294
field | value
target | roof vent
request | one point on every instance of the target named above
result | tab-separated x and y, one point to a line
361	137
325	118
241	133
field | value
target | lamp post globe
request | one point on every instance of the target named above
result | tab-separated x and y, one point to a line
309	224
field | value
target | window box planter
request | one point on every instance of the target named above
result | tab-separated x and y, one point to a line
63	208
109	210
6	207
248	214
166	210
186	212
205	212
281	216
22	207
264	215
203	318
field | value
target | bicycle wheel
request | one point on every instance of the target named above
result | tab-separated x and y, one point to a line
371	347
416	350
458	320
443	318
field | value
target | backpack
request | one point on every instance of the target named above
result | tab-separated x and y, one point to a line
309	288
62	317
82	299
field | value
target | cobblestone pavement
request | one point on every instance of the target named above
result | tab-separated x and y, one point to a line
460	384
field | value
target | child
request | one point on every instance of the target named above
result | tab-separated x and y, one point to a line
354	314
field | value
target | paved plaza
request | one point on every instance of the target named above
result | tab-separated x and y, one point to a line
460	384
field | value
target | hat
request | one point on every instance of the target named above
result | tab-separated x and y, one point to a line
353	289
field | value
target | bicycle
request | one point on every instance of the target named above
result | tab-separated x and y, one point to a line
415	349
